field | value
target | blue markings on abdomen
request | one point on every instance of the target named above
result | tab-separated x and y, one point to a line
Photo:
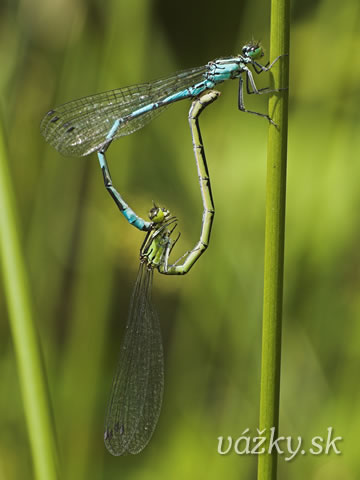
113	130
190	92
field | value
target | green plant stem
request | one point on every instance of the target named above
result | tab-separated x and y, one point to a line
274	240
26	342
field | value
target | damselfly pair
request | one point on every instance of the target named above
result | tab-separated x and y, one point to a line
89	125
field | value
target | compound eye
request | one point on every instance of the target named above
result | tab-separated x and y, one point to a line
154	213
158	214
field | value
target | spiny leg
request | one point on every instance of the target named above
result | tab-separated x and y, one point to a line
205	187
241	104
259	91
250	79
263	68
124	208
268	66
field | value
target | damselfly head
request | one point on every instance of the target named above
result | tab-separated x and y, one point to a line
253	50
158	214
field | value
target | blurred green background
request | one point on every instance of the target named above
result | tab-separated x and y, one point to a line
83	257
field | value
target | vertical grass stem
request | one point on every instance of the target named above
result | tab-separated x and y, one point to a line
26	342
274	239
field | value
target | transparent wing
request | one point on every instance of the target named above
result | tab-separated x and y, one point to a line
80	127
137	389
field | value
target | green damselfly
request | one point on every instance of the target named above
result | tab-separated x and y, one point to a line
137	390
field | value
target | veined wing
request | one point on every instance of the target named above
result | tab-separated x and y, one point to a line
137	390
80	127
